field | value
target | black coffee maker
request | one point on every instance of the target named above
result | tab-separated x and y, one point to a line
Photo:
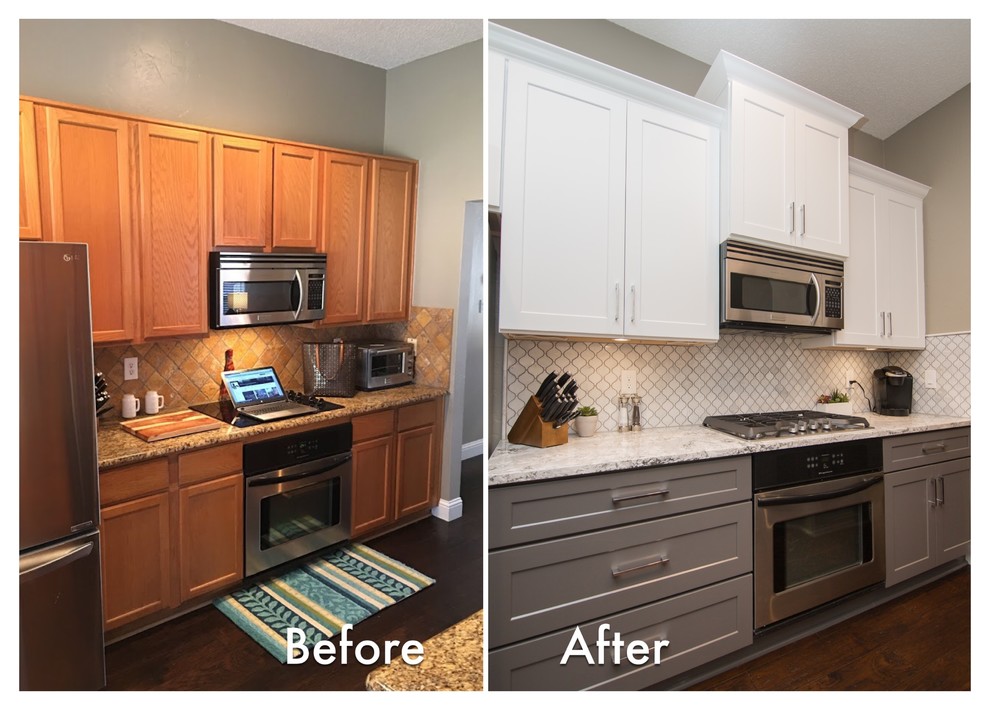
893	387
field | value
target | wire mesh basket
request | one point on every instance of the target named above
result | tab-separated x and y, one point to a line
329	369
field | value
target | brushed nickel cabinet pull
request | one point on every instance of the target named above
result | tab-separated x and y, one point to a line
883	324
933	448
804	220
619	571
890	323
619	498
792	218
617	297
632	316
940	486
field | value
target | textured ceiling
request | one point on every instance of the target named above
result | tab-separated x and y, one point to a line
385	44
891	71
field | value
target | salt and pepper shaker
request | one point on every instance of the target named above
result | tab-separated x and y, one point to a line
635	424
623	414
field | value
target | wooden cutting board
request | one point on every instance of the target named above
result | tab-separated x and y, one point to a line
165	426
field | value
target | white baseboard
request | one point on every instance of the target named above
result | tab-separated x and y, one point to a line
472	449
449	509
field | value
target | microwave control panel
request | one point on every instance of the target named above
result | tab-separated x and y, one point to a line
833	299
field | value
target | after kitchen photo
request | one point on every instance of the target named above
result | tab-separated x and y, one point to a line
251	405
729	355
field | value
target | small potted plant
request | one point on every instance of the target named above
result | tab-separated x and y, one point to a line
835	403
586	422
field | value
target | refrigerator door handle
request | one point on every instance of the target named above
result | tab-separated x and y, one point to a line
38	564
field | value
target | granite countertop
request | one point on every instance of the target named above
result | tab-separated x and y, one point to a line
116	447
452	660
612	451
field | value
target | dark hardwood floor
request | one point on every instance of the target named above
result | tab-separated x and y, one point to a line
205	651
920	641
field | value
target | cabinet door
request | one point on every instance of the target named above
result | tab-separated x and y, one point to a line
953	520
390	240
136	549
563	206
343	235
496	105
372	484
909	509
821	184
904	259
242	192
416	461
865	281
174	230
296	191
761	166
211	535
89	200
671	226
30	205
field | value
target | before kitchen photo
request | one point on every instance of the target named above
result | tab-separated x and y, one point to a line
251	355
729	355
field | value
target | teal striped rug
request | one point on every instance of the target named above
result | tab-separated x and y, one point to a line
343	587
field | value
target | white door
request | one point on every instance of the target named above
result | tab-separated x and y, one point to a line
496	94
762	166
863	282
821	184
563	205
671	226
906	278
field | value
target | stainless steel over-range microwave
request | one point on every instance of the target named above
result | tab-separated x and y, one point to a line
770	289
249	289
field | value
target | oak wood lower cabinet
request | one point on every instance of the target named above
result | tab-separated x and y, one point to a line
211	535
373	472
926	504
659	554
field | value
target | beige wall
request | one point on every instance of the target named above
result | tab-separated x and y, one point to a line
865	147
206	73
934	149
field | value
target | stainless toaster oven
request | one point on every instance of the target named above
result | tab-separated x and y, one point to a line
385	363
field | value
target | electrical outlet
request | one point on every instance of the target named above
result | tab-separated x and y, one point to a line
627	382
412	341
130	368
931	379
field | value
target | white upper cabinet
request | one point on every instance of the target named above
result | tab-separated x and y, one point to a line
884	289
496	105
609	201
785	169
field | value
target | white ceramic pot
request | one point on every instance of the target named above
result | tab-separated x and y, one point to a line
835	408
586	426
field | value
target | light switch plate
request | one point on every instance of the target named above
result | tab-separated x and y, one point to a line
627	382
130	368
931	379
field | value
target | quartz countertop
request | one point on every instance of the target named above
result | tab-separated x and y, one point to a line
452	660
116	447
613	451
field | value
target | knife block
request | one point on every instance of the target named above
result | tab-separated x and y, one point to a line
530	430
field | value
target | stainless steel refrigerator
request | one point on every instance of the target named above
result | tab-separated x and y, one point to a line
61	611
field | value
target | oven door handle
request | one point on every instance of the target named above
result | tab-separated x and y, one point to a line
814	497
285	475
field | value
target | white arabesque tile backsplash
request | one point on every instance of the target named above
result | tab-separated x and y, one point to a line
682	385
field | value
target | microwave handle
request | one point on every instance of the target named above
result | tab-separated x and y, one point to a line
298	278
818	298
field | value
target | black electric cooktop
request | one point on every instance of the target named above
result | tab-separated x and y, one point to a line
225	411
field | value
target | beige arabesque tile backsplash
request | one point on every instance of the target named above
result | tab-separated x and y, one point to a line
187	370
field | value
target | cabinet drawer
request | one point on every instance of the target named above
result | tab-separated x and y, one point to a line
550	585
701	626
210	463
927	447
537	511
140	479
417	415
373	426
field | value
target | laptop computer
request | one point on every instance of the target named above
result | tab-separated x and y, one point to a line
257	393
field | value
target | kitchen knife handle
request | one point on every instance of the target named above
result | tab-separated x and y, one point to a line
617	297
632	316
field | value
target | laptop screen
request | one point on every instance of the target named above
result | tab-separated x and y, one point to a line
256	386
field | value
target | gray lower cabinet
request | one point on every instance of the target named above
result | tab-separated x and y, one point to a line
926	507
664	552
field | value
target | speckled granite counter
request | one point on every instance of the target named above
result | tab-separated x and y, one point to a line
116	447
611	451
452	660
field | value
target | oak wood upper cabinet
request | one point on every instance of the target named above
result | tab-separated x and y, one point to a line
391	229
30	190
174	229
373	479
296	188
343	235
87	173
211	535
417	457
242	192
785	168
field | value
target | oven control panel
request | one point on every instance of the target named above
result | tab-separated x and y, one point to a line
285	451
807	464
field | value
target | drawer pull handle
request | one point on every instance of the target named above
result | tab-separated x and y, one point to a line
620	498
619	571
933	448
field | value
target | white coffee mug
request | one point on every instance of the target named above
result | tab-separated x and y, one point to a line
130	406
153	402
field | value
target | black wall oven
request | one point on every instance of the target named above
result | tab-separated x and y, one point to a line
818	530
297	496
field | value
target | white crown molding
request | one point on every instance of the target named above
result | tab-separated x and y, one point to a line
885	177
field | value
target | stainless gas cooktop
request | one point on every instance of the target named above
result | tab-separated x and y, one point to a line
795	423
